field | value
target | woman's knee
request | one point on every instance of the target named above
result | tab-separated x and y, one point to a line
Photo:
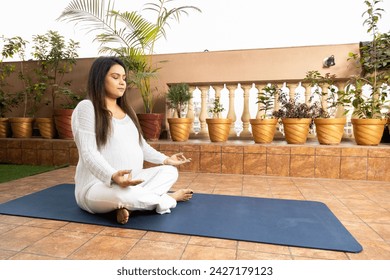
171	170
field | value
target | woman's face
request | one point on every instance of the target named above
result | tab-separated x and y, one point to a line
115	82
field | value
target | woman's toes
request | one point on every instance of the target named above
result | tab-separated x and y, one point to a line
122	216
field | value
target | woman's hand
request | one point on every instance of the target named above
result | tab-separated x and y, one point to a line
177	159
123	179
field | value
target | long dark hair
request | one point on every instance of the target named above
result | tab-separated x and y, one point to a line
96	92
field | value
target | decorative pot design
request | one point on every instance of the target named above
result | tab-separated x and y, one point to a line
296	130
368	131
218	129
263	130
330	131
5	130
21	127
63	122
180	128
46	127
151	125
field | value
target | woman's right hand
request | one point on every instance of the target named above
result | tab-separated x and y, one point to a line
123	179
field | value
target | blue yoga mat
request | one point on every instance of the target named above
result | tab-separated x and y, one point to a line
297	223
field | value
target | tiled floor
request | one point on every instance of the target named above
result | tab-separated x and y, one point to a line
362	206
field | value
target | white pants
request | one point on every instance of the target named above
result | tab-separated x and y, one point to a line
149	195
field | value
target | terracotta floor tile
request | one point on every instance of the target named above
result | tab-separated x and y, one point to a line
372	250
104	248
14	220
6	227
361	231
123	232
372	216
87	228
255	255
362	206
44	223
214	242
383	230
318	254
197	252
155	250
263	247
59	244
5	254
27	256
21	237
166	237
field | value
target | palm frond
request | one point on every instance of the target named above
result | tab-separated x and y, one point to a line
90	14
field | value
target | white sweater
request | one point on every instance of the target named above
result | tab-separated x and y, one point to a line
122	151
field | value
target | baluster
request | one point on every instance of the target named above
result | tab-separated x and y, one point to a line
190	111
231	113
307	94
300	93
292	89
324	96
259	105
278	134
203	133
253	108
245	133
340	108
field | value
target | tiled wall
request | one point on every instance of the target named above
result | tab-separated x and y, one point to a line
38	151
344	161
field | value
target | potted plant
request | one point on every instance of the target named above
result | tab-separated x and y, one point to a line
264	125
218	127
63	115
55	60
329	129
368	93
131	36
7	100
32	92
178	97
296	118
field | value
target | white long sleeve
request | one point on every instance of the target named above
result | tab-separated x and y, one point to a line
122	151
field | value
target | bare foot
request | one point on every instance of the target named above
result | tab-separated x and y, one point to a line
182	195
122	216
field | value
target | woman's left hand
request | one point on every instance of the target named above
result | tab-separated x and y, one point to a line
177	159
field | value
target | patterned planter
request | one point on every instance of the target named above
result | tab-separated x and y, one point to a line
330	131
151	125
368	131
21	127
180	128
296	130
218	129
263	130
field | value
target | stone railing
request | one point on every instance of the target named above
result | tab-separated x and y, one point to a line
240	103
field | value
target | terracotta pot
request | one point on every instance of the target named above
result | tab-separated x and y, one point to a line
218	129
21	127
46	127
180	128
263	130
151	125
368	131
5	129
63	123
296	130
330	131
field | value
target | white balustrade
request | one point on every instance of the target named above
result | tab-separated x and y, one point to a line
240	104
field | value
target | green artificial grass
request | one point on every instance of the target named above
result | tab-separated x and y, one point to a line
9	172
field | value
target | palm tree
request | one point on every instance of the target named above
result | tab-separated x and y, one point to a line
128	35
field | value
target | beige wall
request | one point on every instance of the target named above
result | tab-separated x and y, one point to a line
267	65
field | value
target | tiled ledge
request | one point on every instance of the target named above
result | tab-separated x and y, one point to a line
311	160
